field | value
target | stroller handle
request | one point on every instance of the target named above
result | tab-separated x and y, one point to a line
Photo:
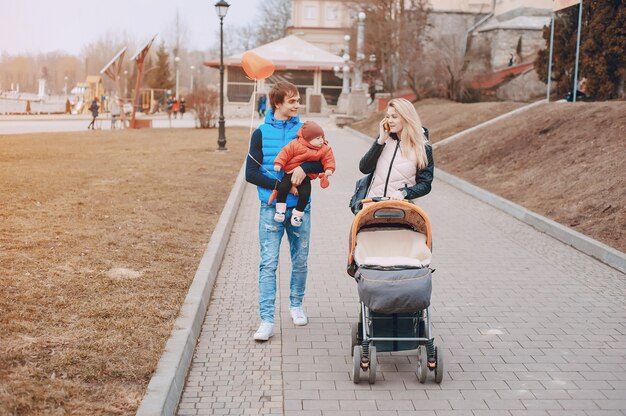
377	199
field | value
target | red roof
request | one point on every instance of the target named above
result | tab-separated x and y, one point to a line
498	77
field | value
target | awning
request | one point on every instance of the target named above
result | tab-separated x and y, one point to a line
290	52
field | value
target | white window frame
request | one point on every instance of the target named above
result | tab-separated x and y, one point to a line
310	12
332	13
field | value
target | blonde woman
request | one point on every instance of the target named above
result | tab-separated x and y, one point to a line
401	157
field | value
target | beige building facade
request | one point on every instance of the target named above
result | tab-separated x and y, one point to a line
322	23
500	27
486	6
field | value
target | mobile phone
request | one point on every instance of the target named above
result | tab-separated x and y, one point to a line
386	125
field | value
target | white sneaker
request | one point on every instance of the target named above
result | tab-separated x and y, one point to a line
298	316
265	331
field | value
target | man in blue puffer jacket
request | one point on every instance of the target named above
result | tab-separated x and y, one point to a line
281	125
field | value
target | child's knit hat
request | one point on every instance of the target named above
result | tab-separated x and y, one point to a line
310	130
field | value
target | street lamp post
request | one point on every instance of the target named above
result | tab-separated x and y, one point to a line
177	60
360	40
191	80
345	88
221	7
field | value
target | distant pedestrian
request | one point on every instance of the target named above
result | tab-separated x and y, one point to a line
115	111
183	108
168	107
94	107
175	107
262	105
581	91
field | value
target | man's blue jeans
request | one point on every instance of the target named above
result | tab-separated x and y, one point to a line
270	236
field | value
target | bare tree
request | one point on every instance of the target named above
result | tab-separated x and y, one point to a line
26	69
99	52
203	103
177	35
244	38
395	34
275	18
411	59
450	66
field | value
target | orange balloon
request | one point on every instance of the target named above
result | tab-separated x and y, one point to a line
256	67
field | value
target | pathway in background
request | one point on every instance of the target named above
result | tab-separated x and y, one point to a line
530	326
59	123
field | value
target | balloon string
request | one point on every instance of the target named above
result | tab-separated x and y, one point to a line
253	105
251	124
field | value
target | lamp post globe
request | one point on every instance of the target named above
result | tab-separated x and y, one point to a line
221	8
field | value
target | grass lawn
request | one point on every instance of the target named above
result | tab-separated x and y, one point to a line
100	236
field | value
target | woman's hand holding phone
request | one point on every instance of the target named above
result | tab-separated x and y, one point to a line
383	131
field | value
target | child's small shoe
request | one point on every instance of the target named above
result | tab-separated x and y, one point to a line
279	216
296	218
324	183
296	221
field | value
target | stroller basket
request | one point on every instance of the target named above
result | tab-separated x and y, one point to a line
397	325
394	291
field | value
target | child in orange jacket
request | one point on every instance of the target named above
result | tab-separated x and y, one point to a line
309	146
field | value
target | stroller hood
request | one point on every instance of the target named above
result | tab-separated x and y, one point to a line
387	216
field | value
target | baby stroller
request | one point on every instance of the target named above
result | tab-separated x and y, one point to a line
389	257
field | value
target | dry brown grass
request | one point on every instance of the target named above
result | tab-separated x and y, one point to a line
100	236
563	161
443	118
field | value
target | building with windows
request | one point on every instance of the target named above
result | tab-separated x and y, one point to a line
497	26
322	23
307	56
307	66
498	23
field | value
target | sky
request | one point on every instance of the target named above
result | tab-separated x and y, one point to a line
33	26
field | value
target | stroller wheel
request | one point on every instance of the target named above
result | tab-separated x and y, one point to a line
355	337
373	365
422	364
439	368
356	364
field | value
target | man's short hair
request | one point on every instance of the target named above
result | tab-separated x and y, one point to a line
280	91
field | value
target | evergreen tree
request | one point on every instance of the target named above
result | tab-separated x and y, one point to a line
602	50
162	77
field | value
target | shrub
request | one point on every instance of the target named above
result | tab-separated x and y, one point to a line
204	102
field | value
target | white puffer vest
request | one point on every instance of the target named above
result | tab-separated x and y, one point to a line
403	171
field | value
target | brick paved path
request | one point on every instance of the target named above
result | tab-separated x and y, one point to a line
530	326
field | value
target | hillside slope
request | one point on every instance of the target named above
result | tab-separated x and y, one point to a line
562	160
443	118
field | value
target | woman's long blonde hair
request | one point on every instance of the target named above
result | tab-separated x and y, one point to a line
412	139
